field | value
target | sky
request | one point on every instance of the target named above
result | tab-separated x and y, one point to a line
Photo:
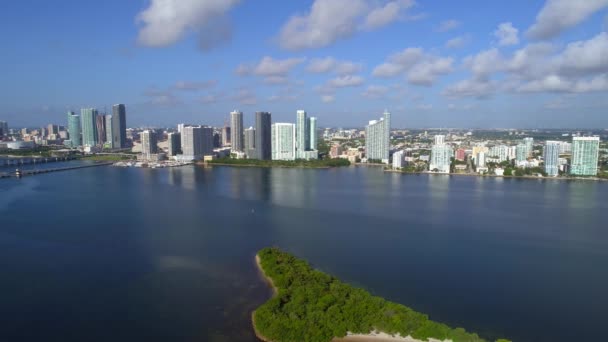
431	63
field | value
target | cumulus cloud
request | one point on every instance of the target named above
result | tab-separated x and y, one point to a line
448	25
244	96
345	81
273	70
458	42
375	91
331	20
190	85
386	14
579	67
330	64
165	22
557	16
421	68
507	34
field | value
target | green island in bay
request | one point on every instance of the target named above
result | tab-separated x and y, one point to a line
298	163
309	305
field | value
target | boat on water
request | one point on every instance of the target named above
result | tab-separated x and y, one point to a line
18	173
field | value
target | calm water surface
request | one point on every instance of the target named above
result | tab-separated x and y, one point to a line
111	254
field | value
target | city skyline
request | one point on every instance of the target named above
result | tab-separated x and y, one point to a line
507	65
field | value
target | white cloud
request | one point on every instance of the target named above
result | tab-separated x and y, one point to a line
507	34
386	14
329	64
159	97
269	67
327	98
331	20
189	85
276	80
421	68
458	42
375	91
426	72
483	64
245	96
470	88
165	22
556	83
448	25
585	57
558	15
345	81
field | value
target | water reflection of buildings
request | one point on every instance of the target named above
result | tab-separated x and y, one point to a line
294	187
248	183
438	188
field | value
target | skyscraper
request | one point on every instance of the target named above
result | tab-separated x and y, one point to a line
283	137
88	121
197	142
74	129
236	131
302	134
585	155
249	142
551	156
521	153
174	142
377	139
3	129
148	144
109	134
441	155
225	136
100	124
312	127
51	129
529	142
119	126
263	148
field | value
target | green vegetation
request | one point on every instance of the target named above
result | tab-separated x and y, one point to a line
323	147
38	151
313	306
317	163
107	157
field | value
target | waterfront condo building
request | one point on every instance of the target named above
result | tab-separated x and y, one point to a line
585	155
197	142
88	122
551	157
249	142
174	144
263	148
441	155
377	139
529	142
398	159
283	137
74	130
119	126
236	131
148	144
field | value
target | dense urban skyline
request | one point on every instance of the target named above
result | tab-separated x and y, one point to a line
523	64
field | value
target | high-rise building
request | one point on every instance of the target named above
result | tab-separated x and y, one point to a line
119	126
585	155
236	131
283	136
148	144
109	134
501	152
551	157
197	142
249	142
521	153
302	134
51	129
441	155
480	160
226	136
377	139
3	129
174	142
74	130
398	159
101	129
263	147
529	142
312	128
88	121
460	154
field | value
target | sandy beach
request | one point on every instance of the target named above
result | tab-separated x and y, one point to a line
381	337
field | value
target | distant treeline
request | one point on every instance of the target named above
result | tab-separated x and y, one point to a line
313	306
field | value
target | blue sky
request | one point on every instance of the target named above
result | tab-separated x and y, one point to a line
521	63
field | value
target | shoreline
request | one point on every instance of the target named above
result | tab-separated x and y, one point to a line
264	166
371	337
496	176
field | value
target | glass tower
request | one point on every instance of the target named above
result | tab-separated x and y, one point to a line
551	156
119	126
283	141
585	155
74	130
377	138
236	131
263	148
88	121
